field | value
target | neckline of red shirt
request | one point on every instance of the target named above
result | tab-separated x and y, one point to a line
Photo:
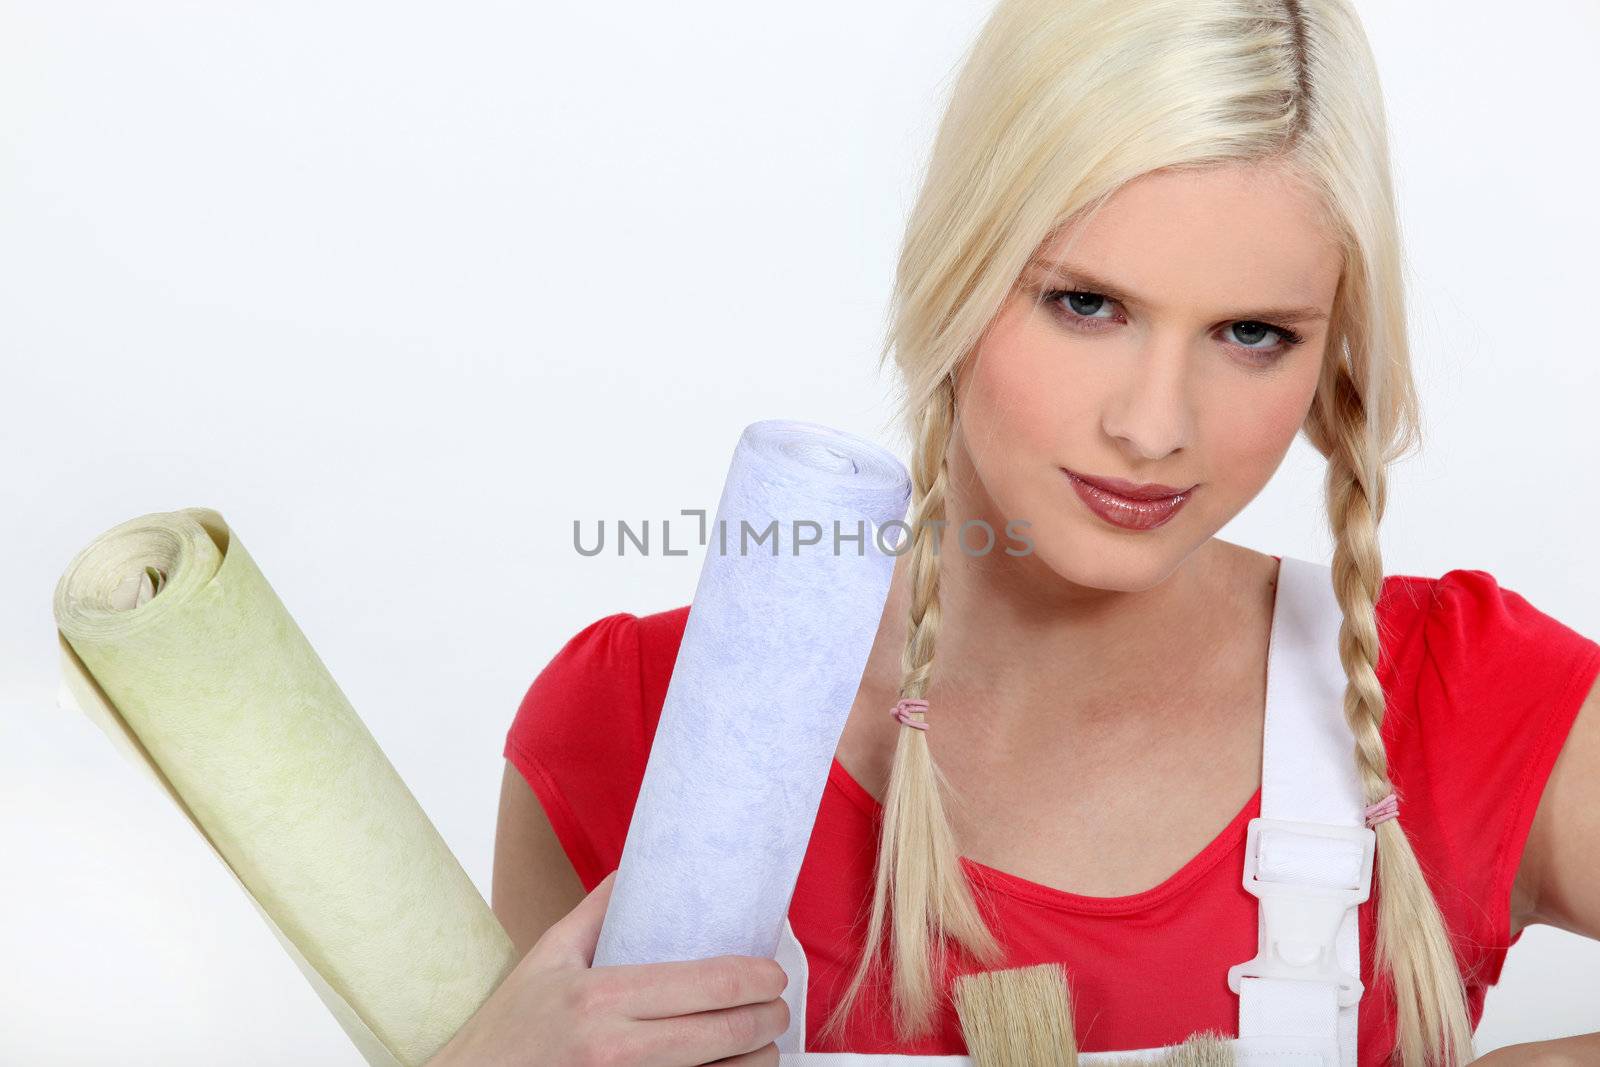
1225	843
1231	839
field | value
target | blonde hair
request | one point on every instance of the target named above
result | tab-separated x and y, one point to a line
1059	103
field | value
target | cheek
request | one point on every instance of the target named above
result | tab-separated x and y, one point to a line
1246	429
1028	403
1021	399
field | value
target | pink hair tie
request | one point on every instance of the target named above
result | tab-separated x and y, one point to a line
903	708
1387	808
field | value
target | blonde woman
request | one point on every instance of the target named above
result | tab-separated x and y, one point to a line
1156	242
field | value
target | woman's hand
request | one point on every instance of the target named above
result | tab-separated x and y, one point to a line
1578	1051
554	1008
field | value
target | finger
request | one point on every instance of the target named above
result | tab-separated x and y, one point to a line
765	1056
571	939
711	1036
683	987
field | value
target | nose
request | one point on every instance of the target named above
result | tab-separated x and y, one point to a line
1149	412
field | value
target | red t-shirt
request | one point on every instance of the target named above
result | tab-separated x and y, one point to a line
1482	690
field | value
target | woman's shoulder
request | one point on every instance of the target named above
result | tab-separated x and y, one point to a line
1467	627
614	652
1479	662
582	732
1483	687
617	662
656	638
660	634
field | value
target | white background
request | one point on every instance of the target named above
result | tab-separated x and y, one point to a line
404	289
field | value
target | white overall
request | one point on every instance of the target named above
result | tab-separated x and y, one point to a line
1308	860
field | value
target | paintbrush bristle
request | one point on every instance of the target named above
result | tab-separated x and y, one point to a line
1206	1049
1018	1017
1022	1017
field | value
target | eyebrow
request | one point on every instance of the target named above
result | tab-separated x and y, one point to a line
1086	281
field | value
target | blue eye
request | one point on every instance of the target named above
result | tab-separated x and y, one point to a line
1079	307
1250	334
1085	304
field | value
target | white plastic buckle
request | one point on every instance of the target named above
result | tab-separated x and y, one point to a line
1300	923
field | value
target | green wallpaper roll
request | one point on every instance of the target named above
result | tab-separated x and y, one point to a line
174	643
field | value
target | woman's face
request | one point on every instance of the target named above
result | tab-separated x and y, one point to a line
1153	343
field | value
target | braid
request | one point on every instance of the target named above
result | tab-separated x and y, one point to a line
1413	946
931	479
918	865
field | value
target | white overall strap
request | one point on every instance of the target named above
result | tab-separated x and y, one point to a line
1309	856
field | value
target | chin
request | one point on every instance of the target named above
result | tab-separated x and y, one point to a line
1085	551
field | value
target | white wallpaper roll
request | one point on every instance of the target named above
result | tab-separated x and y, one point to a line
772	657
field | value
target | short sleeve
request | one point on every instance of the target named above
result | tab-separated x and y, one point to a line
1499	688
575	739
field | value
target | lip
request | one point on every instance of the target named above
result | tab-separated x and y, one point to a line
1129	505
